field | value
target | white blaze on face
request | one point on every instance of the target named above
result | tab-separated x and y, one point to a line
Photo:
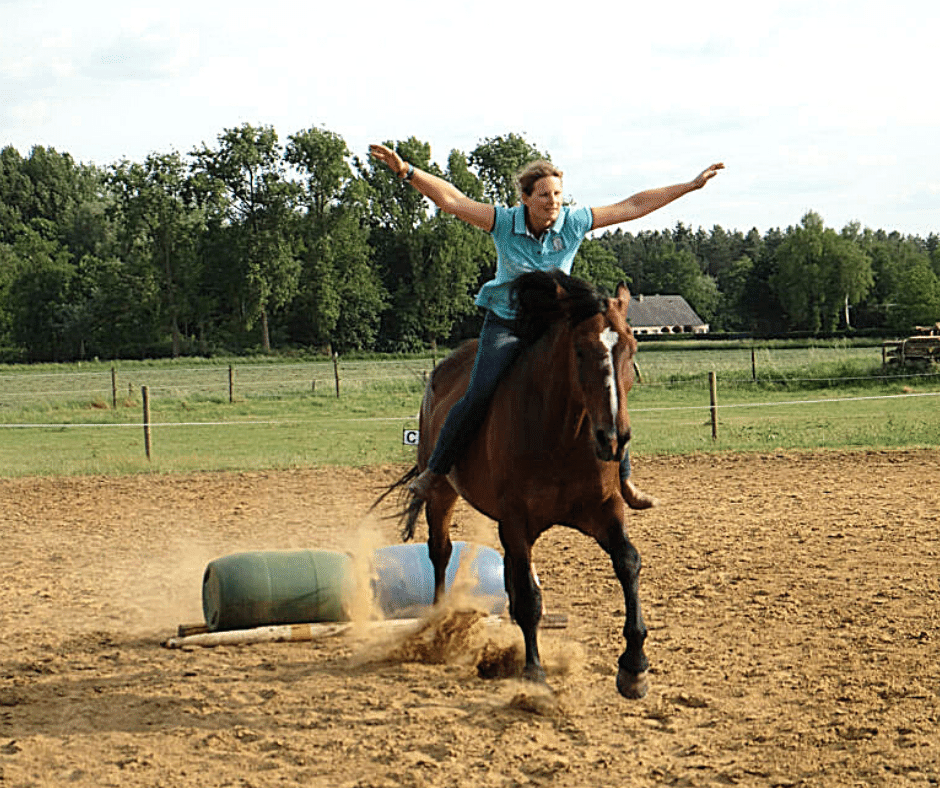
609	340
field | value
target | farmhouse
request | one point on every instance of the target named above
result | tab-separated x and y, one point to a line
664	314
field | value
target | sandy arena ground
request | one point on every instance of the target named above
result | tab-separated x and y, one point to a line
793	603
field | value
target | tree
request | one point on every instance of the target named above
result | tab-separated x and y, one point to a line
393	205
160	227
629	254
732	311
430	262
53	216
669	271
916	300
52	192
763	311
114	309
15	193
248	170
498	160
907	287
320	156
445	276
361	294
38	298
932	246
717	251
340	295
8	270
704	297
819	272
597	264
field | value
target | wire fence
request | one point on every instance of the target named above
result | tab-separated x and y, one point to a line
301	432
741	367
333	377
109	385
672	382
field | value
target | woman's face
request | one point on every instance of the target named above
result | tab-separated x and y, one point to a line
544	203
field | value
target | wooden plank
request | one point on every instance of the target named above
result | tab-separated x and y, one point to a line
197	635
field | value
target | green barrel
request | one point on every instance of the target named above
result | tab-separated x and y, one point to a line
247	590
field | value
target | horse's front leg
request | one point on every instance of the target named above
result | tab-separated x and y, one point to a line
632	681
525	596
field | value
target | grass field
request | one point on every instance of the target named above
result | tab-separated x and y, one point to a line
62	419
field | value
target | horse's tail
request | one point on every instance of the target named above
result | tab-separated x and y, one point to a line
411	509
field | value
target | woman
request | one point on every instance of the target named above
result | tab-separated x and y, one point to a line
540	233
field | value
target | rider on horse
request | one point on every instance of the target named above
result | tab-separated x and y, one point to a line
539	234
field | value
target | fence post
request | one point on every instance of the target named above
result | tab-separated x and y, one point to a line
113	388
145	394
336	372
753	365
713	393
231	384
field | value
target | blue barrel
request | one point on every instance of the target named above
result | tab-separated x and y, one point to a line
279	587
256	589
404	584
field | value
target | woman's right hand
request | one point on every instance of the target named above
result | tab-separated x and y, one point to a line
443	194
388	157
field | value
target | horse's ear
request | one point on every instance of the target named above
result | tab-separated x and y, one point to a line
623	296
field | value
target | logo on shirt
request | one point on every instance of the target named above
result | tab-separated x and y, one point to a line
558	244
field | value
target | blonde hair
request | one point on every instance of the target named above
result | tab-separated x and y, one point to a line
532	172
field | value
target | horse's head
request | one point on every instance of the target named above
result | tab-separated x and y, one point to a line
604	347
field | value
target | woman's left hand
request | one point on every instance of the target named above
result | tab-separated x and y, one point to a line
388	157
706	175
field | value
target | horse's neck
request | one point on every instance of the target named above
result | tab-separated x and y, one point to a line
550	382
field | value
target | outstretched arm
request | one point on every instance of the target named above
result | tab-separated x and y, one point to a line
443	194
648	201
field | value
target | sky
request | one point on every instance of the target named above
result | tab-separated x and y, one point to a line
823	105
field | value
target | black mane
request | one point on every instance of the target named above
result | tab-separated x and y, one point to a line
538	306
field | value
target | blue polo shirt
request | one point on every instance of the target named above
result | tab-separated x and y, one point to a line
518	251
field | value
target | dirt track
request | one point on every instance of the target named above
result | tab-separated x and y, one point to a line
792	602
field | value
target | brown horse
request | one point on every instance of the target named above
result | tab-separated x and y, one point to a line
547	452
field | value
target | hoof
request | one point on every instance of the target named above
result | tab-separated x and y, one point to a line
535	674
632	685
635	497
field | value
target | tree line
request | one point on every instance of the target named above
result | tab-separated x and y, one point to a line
252	244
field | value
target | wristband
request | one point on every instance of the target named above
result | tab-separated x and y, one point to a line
408	175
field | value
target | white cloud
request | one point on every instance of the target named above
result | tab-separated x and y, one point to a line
156	51
806	102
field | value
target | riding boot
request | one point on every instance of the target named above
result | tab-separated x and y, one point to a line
635	497
421	486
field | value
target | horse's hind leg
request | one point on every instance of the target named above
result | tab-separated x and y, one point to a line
525	596
632	681
439	510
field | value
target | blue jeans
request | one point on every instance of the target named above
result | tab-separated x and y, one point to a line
498	349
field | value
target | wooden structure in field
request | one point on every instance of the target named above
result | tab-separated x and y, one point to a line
922	348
